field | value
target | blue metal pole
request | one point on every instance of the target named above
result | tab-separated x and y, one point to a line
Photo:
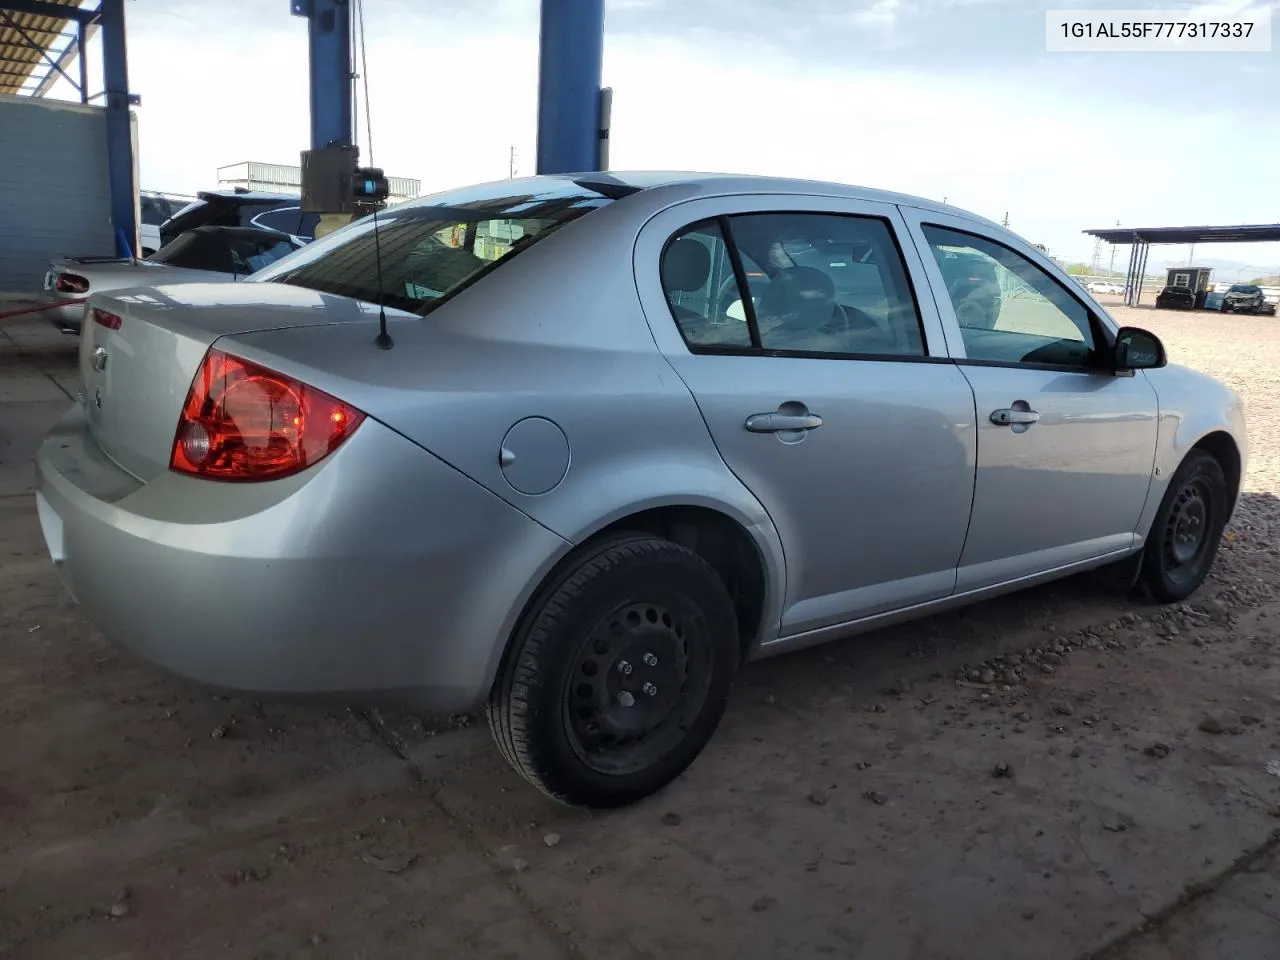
329	55
115	82
570	50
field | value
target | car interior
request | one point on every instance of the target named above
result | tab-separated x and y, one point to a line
817	283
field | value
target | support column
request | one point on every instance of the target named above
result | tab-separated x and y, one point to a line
570	53
115	74
329	58
1142	272
1130	281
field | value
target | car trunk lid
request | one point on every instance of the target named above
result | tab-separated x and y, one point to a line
140	349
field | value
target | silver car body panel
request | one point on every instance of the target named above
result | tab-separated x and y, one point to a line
556	398
332	592
1069	488
110	275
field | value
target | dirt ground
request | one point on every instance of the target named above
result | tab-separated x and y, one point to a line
1064	773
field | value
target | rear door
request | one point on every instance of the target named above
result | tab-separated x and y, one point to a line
827	390
1066	449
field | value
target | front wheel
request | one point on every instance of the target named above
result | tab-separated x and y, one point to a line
619	673
1187	529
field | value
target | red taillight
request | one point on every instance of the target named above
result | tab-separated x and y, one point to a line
243	422
70	283
108	320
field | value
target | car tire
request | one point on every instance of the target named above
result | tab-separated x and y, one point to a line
1187	529
618	674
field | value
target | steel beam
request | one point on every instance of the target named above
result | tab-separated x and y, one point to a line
570	52
1144	249
39	8
115	75
329	56
1131	281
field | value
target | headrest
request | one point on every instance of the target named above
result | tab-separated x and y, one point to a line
803	297
686	265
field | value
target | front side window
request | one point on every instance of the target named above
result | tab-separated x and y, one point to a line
1008	309
822	284
432	249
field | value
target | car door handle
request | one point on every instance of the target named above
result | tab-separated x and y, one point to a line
778	422
1009	417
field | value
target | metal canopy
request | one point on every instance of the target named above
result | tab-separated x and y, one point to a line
39	42
1242	233
1141	239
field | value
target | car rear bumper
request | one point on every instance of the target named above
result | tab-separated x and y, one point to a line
63	317
381	574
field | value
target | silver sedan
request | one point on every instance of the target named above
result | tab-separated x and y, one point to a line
573	449
209	254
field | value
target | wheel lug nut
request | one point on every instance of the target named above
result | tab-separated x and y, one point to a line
625	668
650	660
649	689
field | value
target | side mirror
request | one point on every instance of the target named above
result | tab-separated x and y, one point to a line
1137	349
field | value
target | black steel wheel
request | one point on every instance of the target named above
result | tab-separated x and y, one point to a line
1187	529
618	674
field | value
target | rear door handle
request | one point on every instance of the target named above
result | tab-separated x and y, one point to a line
778	422
1009	417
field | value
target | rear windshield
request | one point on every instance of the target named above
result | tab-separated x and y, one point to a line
434	247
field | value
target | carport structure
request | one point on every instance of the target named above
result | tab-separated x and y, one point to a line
42	42
1141	238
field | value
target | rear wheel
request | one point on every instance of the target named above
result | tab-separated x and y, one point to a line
619	673
1184	537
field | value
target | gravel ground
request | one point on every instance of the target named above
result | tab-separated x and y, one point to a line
1058	774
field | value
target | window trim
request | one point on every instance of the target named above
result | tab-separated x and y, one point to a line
756	349
1104	341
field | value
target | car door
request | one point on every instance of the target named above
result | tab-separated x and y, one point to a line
824	383
1066	448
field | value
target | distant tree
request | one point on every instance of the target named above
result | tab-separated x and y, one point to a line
1271	281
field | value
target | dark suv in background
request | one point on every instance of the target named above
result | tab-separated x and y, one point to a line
240	208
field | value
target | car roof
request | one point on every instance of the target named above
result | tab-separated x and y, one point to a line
248	195
662	186
251	233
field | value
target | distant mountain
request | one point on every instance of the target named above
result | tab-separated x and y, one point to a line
1222	269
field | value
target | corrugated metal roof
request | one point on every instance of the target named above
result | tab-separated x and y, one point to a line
1241	233
22	67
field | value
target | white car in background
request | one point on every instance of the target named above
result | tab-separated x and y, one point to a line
1104	286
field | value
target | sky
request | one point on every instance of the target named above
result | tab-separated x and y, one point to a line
953	99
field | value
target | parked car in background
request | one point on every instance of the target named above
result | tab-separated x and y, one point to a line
233	208
1175	298
1245	298
1105	286
571	486
155	209
205	253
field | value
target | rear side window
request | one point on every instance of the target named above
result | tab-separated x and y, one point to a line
433	249
154	211
290	220
792	283
196	250
251	255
